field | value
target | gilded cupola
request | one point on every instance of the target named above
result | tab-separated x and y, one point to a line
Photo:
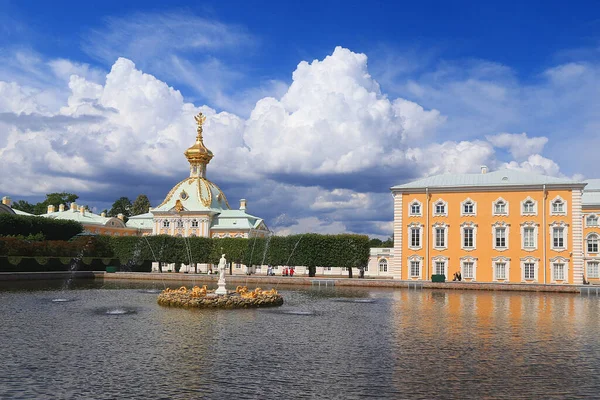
198	155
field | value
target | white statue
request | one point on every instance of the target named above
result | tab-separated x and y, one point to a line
222	267
221	283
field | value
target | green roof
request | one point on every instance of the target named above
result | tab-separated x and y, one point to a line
504	177
591	193
235	219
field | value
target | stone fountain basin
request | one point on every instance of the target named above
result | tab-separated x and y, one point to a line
211	300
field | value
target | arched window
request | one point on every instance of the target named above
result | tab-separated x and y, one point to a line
166	223
468	207
528	207
592	243
440	207
500	207
194	223
558	206
383	265
415	208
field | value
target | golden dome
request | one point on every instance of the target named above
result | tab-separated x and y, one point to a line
198	154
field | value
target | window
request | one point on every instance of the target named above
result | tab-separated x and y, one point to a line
467	271
529	237
180	224
468	237
468	207
501	237
440	268
592	220
500	270
500	207
592	244
440	239
415	208
529	270
194	223
558	206
383	265
415	269
558	237
528	207
559	271
439	207
166	224
592	269
415	237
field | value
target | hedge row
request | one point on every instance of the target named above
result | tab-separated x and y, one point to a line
52	229
309	250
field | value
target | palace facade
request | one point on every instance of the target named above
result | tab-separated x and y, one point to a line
506	226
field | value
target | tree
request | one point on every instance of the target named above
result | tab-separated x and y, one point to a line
121	206
24	206
141	205
375	242
55	199
389	242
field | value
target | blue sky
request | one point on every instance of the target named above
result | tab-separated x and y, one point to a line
317	107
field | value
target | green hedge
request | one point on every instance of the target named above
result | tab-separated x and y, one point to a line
309	250
52	229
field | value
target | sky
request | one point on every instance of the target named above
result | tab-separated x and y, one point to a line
314	109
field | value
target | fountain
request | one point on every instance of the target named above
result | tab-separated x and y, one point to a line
202	297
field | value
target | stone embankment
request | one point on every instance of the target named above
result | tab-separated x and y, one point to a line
203	298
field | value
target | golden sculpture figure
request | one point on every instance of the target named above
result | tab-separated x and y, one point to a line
200	118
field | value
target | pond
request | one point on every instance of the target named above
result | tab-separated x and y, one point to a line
107	340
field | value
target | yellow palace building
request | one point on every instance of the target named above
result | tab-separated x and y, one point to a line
506	226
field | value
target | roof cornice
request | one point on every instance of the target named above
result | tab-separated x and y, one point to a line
489	188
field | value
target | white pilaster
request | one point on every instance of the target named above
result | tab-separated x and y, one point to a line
395	267
577	235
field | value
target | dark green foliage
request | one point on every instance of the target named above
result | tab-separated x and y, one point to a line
121	206
14	225
137	252
141	205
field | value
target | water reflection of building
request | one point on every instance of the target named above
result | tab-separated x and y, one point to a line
503	226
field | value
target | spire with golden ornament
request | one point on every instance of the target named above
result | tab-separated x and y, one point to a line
198	155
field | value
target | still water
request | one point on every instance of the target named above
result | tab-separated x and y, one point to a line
111	340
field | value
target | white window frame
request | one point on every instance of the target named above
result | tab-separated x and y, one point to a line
382	265
462	208
559	260
592	236
410	209
440	202
412	226
529	225
535	207
443	226
499	199
419	260
587	217
506	261
472	260
565	228
437	259
564	204
506	228
597	264
195	223
166	223
536	267
469	225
